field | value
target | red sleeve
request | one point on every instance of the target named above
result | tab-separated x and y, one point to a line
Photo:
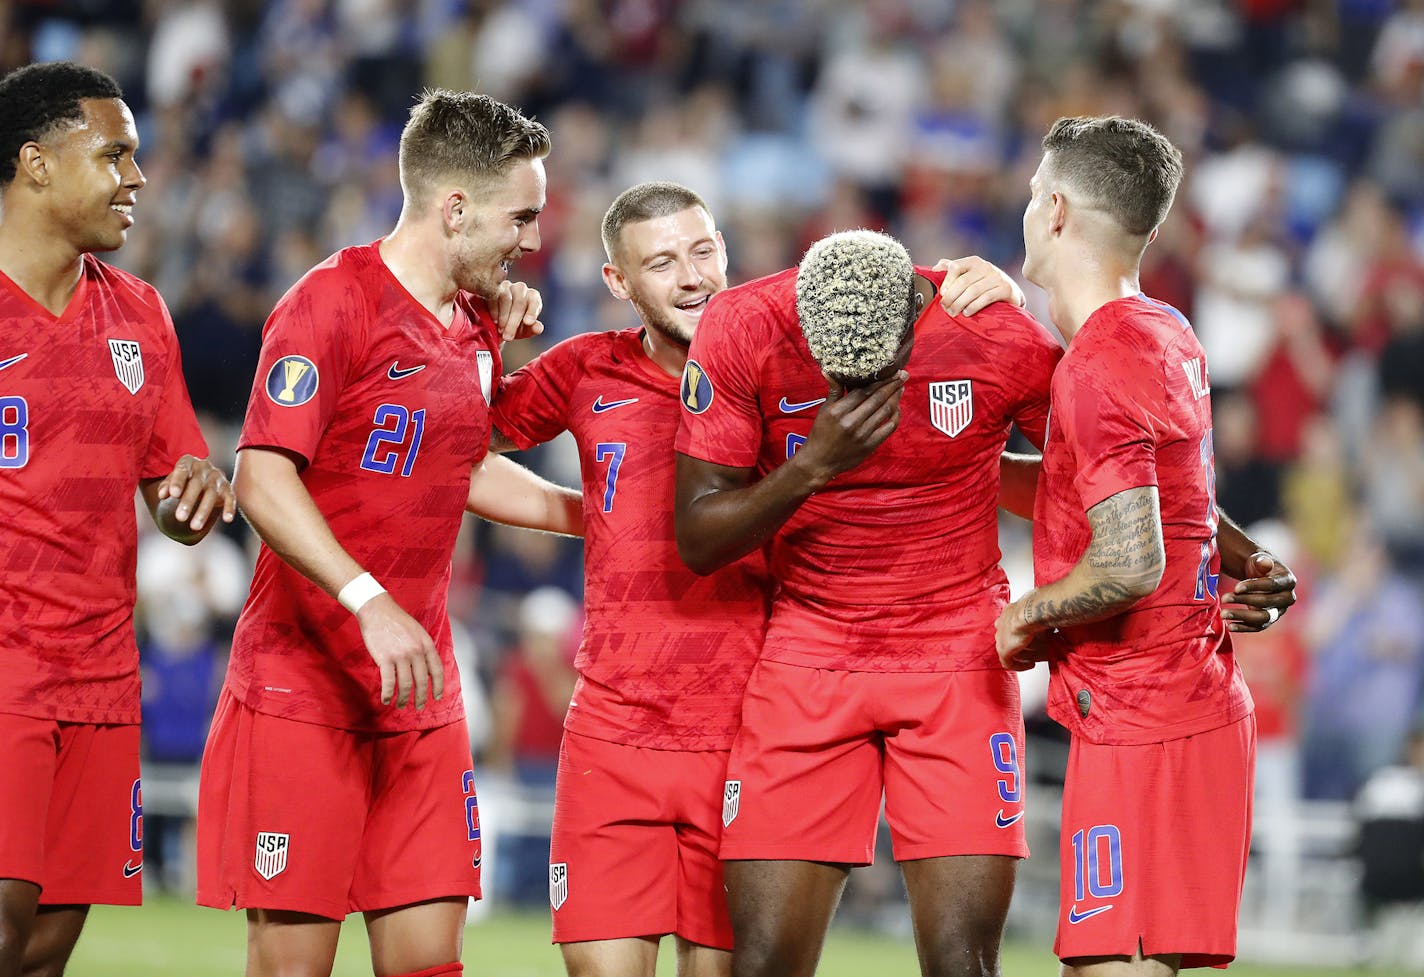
1116	422
721	412
1033	357
175	429
532	405
307	349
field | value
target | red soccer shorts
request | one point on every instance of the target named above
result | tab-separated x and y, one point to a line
1154	846
71	810
634	849
817	747
297	816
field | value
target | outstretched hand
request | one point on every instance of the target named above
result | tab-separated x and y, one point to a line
1260	599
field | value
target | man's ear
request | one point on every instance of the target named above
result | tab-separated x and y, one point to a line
33	161
616	282
1058	212
454	210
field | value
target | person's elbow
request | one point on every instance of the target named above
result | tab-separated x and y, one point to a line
695	553
1143	579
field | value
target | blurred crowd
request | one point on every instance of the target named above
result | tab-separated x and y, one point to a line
1296	246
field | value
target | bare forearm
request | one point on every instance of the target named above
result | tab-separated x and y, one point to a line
277	504
1018	483
720	526
1123	564
503	491
1234	546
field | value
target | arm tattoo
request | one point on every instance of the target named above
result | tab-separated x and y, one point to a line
1123	563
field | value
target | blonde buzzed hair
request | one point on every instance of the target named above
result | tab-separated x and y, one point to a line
464	135
645	202
854	293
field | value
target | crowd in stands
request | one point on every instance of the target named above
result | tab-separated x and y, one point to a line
1296	245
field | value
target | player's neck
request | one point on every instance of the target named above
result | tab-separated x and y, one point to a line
1085	288
422	269
669	356
41	263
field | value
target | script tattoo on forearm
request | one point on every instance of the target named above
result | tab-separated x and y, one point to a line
1124	560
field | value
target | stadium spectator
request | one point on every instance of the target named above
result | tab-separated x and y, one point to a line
337	776
94	409
1126	604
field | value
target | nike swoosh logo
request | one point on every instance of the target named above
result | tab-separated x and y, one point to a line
1004	822
599	406
1076	917
395	373
789	408
12	360
130	870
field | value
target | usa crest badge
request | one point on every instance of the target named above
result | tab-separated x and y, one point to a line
558	883
128	363
951	405
731	802
484	362
271	860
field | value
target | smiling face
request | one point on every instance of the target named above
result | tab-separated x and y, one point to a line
500	226
93	177
668	268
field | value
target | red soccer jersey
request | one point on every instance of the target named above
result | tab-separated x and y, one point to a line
91	402
1130	408
895	565
389	411
665	653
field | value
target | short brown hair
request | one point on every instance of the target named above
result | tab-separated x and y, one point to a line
462	133
644	202
1124	166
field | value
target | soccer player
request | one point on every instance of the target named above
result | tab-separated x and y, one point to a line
337	776
838	412
92	408
1157	808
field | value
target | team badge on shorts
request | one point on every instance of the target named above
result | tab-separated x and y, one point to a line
951	405
731	802
292	381
128	363
271	860
697	392
558	883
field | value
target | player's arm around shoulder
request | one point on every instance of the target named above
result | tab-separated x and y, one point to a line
504	491
275	501
187	503
1123	563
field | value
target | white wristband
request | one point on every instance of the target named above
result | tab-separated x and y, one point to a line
358	591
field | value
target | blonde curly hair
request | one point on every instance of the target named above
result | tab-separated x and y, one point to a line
854	291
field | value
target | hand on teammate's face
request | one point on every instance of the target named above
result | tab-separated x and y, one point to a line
851	424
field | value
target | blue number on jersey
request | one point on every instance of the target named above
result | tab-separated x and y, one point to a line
793	444
383	448
611	452
136	816
472	805
14	432
1006	760
1087	867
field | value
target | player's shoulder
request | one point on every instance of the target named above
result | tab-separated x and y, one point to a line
128	288
344	275
588	352
762	304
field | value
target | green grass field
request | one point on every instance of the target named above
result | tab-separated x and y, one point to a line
168	938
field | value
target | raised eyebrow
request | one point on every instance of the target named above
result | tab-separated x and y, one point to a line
671	253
